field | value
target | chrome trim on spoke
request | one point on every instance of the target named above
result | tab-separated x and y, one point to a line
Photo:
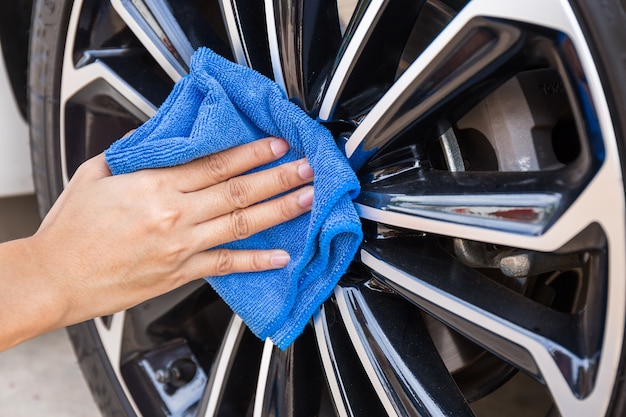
272	38
329	364
159	33
349	56
513	213
593	205
370	364
217	381
264	375
170	31
233	28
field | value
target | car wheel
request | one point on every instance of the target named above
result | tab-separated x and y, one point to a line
491	133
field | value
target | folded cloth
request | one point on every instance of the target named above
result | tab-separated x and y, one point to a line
217	106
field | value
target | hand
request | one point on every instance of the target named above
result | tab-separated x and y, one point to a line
111	242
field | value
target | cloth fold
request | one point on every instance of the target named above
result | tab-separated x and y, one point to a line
220	105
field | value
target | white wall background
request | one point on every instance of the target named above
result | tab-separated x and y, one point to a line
15	166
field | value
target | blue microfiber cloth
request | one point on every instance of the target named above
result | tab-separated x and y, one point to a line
217	106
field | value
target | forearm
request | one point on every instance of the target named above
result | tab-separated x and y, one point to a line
30	303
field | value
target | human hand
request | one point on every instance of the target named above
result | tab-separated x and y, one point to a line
111	242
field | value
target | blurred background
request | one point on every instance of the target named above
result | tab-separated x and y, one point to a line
40	377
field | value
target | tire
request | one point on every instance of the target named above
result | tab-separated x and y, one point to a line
490	281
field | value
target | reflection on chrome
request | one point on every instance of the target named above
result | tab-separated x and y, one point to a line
535	211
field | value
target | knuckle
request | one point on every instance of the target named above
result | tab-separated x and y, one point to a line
238	193
286	209
257	262
283	178
162	220
225	261
175	253
217	166
240	224
170	257
167	219
259	151
178	278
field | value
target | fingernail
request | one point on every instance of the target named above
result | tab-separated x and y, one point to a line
280	259
306	198
279	147
305	171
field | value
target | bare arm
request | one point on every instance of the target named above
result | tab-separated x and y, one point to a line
111	242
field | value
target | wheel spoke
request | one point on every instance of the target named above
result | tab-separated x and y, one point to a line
156	28
111	335
449	74
464	54
95	96
212	395
87	71
233	29
234	375
82	94
456	290
342	367
403	369
82	88
304	38
479	200
80	79
330	364
369	55
452	73
553	346
290	382
579	215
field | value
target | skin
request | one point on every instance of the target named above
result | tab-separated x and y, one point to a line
112	242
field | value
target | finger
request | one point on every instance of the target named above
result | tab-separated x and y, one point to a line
246	190
245	222
218	262
221	166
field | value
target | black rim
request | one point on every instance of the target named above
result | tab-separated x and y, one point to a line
484	144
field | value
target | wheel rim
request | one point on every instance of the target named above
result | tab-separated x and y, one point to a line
511	243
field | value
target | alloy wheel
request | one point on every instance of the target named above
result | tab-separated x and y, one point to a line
492	203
